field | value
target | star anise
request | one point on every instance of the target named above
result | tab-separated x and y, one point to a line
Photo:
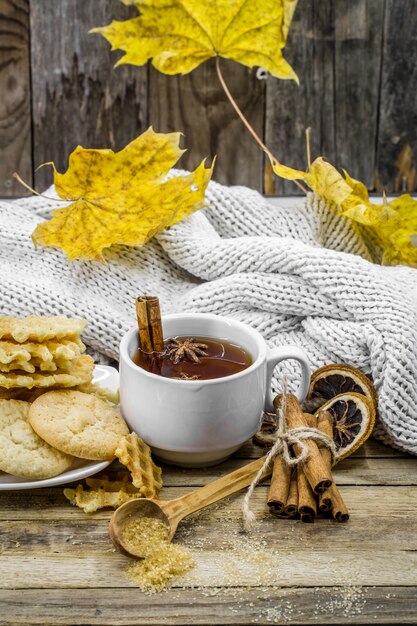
178	350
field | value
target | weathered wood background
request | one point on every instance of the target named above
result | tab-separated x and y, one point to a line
356	60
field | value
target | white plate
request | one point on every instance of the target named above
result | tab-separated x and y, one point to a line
106	376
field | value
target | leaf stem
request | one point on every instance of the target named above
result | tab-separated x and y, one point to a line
308	131
246	123
38	193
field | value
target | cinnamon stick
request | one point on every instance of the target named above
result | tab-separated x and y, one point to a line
151	339
325	501
312	423
311	420
291	507
145	338
155	323
330	499
307	506
318	475
280	485
339	509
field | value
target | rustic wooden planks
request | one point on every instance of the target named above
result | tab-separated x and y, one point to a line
290	108
196	105
397	136
355	61
122	607
246	606
295	553
58	567
78	97
336	49
357	69
58	532
288	568
15	98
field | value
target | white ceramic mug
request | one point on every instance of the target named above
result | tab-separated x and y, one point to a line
196	423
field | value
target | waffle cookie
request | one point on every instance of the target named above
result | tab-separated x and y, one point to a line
40	355
103	493
136	456
79	372
40	328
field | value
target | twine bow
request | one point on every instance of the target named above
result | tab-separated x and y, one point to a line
284	439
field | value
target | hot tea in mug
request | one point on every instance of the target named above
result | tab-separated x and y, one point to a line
195	358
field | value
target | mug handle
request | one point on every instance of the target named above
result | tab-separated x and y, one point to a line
277	355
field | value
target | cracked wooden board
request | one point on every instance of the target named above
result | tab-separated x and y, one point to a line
302	605
59	560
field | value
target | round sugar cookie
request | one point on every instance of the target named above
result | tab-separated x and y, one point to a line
22	452
78	423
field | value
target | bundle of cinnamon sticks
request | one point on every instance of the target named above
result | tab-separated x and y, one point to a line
308	488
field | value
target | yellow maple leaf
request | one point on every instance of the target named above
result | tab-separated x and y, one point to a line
179	35
121	197
394	223
398	230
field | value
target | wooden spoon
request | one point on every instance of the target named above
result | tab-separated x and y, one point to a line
171	512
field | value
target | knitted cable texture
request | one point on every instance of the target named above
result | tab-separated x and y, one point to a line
300	276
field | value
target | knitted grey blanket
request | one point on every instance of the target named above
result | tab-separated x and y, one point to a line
293	274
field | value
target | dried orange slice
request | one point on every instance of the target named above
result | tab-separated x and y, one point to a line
266	434
331	380
354	418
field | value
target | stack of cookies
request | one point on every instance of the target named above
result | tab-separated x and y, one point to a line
40	353
51	413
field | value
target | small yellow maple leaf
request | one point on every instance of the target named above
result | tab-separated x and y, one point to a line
179	35
394	223
121	197
398	231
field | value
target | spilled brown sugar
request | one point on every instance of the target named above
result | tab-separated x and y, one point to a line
162	560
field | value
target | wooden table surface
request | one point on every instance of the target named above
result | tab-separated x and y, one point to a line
57	565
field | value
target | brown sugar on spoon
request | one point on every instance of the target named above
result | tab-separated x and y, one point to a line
143	528
162	560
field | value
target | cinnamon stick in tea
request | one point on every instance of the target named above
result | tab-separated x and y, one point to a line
291	508
149	323
280	485
307	506
151	340
318	475
155	323
330	499
145	338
